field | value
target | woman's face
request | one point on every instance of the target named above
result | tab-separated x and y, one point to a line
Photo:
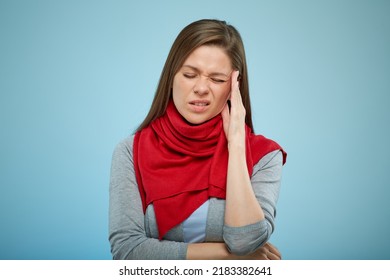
201	87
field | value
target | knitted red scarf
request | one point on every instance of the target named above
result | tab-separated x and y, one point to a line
179	166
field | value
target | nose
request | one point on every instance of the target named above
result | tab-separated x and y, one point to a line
201	86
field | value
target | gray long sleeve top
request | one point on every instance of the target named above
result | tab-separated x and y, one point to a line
134	235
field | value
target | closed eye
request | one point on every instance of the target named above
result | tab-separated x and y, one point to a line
189	75
218	81
213	79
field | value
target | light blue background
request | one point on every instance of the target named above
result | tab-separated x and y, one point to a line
78	76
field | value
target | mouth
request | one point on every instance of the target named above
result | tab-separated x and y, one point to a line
201	103
199	106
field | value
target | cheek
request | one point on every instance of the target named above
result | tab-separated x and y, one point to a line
176	89
224	96
180	88
221	101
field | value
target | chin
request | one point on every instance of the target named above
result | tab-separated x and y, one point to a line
195	121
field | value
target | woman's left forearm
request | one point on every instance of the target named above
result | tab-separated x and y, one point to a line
242	208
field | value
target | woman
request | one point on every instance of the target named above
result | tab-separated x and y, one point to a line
194	182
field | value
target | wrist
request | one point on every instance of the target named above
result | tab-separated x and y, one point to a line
236	146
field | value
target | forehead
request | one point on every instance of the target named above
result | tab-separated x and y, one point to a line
209	59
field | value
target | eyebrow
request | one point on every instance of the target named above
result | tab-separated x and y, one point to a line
211	74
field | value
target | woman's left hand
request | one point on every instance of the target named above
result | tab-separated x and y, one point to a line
234	119
266	252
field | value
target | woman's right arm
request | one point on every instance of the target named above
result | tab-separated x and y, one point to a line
127	233
218	251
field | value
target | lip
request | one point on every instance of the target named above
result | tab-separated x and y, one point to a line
199	106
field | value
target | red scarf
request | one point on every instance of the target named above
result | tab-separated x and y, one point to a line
179	166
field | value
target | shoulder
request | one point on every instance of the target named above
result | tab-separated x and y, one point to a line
274	158
126	143
266	150
268	169
124	147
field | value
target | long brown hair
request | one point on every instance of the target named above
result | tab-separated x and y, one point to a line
199	33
